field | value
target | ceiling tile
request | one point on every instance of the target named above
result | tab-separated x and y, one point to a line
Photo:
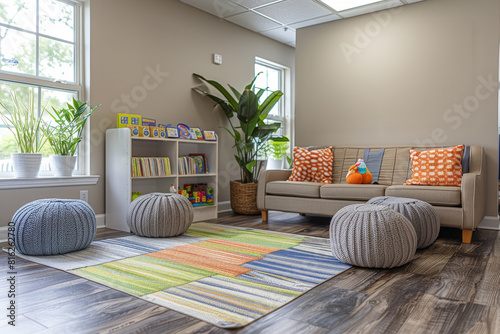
219	8
315	21
253	21
370	8
292	11
269	16
280	34
254	3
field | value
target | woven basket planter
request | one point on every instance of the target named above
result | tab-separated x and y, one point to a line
244	198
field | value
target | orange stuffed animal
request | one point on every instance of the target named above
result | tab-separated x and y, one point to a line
359	174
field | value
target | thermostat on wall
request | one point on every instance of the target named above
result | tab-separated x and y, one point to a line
217	59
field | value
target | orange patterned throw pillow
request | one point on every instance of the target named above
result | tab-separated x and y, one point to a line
437	167
312	166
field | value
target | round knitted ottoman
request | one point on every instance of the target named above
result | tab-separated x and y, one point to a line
422	215
54	226
160	215
373	236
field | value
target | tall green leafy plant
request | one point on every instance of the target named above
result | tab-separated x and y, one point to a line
249	130
24	123
65	133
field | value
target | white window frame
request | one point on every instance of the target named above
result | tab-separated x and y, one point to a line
286	117
41	82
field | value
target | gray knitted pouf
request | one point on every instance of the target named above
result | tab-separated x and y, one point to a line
160	215
373	236
422	215
54	226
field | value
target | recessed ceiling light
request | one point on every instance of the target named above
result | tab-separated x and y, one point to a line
340	5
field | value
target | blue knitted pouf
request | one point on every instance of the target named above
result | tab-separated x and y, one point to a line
54	226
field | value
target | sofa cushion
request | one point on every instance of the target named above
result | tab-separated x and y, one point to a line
437	166
313	166
435	195
393	170
295	188
356	192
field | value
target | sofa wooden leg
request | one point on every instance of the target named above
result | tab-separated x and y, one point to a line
466	236
264	215
302	214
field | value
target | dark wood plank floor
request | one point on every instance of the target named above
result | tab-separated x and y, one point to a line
448	288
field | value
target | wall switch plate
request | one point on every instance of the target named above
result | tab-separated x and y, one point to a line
84	195
217	59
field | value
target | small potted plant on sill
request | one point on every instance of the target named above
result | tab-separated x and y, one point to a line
276	152
250	135
65	133
26	126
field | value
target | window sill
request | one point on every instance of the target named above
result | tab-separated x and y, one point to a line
48	181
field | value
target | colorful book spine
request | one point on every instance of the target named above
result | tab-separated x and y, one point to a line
194	163
150	167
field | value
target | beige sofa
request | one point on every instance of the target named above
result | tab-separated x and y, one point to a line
461	207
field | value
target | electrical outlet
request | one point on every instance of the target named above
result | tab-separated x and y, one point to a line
217	59
84	195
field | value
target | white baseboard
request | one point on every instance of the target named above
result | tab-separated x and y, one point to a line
224	206
100	222
4	233
490	223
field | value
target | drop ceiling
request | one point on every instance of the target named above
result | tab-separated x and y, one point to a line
279	19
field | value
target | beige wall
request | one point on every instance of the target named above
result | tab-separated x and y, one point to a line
127	38
410	75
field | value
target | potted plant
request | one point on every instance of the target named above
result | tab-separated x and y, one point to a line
250	134
24	123
276	150
65	133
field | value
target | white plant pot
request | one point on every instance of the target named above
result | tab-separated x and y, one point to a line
62	165
26	165
274	164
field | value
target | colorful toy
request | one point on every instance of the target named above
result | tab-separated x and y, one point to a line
162	132
359	174
210	195
148	122
198	194
155	132
144	131
172	132
184	131
134	130
123	120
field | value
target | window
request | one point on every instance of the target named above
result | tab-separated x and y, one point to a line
39	52
272	79
277	77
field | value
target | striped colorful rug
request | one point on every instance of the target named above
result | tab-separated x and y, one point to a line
228	276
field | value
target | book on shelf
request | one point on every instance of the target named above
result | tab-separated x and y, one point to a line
194	163
148	167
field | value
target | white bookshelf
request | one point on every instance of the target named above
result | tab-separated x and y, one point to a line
121	147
